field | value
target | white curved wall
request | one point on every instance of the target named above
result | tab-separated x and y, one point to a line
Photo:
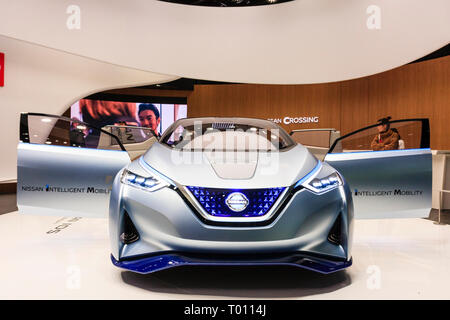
303	41
39	79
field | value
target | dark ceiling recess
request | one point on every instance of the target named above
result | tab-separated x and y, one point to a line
442	52
181	84
227	3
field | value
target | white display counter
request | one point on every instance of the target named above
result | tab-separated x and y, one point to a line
441	179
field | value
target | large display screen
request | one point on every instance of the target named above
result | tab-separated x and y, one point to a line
101	113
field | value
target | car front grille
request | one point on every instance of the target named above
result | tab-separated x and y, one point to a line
236	202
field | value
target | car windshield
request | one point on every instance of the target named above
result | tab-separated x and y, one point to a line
226	134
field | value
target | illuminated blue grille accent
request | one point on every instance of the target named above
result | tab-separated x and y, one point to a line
214	201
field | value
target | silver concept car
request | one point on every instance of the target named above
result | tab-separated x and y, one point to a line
222	191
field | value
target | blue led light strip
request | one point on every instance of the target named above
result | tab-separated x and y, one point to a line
154	171
309	175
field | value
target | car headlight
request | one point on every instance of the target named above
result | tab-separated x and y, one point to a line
152	183
325	184
321	179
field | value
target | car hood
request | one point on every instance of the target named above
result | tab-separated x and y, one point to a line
230	169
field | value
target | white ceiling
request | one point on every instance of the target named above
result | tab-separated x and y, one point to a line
303	41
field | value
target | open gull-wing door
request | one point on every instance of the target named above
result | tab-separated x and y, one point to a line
61	168
389	183
135	140
317	141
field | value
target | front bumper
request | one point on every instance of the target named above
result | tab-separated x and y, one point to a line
166	225
169	260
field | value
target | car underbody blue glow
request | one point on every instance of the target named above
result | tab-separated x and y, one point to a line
169	260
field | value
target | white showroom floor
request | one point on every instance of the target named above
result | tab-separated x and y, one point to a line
392	259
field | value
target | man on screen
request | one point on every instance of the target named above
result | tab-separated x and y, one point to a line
149	117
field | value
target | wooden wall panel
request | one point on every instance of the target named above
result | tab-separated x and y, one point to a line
411	91
268	102
416	90
354	101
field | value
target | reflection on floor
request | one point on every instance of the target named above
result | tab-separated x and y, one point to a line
8	203
64	258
